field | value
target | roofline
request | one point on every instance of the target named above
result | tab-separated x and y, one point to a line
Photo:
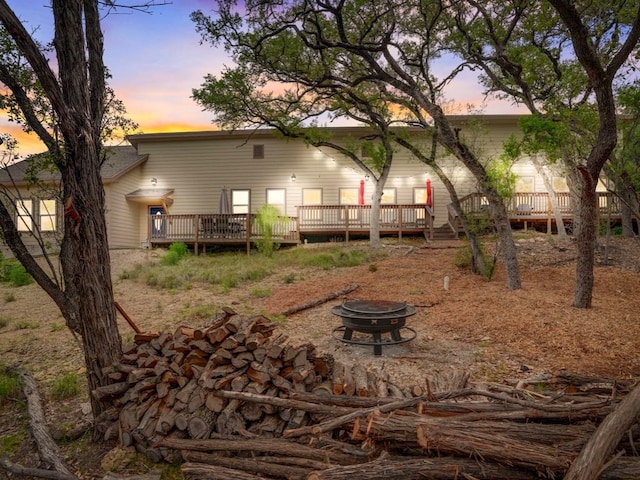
136	139
143	158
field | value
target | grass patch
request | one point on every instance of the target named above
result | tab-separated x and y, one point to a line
26	325
261	292
10	297
9	444
56	327
10	384
230	270
67	386
199	312
289	278
4	321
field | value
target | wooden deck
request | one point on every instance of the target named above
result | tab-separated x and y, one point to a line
346	221
527	209
349	221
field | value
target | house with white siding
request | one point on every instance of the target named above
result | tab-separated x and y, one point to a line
167	187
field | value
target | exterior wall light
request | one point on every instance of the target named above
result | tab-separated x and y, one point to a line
293	177
154	181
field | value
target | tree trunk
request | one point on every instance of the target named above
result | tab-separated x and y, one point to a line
85	251
586	240
557	214
374	225
507	244
76	95
374	222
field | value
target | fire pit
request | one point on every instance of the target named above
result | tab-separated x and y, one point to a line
375	317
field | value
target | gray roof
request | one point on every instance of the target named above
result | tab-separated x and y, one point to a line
120	159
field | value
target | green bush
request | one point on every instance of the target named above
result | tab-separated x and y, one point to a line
170	258
179	247
13	272
463	257
19	277
267	217
177	251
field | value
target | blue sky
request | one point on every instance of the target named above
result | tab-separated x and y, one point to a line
156	60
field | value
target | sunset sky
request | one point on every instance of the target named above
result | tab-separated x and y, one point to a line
156	60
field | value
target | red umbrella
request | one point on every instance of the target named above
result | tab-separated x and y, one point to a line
361	193
429	194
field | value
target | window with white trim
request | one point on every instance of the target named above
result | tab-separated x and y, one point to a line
277	197
388	196
47	214
240	201
24	215
312	196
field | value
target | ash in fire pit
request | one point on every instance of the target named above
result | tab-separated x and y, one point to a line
376	317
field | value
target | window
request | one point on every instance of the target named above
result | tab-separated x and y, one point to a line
420	195
258	151
24	215
348	196
388	196
312	196
525	184
240	201
48	218
276	197
560	184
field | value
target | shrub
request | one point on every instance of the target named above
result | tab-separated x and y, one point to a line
180	248
463	257
19	277
170	258
267	217
14	273
177	251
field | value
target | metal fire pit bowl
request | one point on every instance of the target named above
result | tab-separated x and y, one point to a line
375	317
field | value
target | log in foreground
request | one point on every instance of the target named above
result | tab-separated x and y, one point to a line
235	396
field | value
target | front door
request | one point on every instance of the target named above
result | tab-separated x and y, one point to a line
158	224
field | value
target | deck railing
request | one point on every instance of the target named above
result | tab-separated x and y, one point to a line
539	204
400	218
214	228
532	206
311	219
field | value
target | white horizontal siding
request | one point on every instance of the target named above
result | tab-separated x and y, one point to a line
198	170
124	217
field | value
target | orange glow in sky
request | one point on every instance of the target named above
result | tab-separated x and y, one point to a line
156	60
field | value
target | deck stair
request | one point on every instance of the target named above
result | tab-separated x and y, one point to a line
444	232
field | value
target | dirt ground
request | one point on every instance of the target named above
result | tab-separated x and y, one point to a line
473	325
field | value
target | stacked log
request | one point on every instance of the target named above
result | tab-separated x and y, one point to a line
233	400
181	385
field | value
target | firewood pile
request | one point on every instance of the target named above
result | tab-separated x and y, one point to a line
234	401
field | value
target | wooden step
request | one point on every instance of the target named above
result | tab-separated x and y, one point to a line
444	232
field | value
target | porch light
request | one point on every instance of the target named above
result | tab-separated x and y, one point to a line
293	177
366	177
154	181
